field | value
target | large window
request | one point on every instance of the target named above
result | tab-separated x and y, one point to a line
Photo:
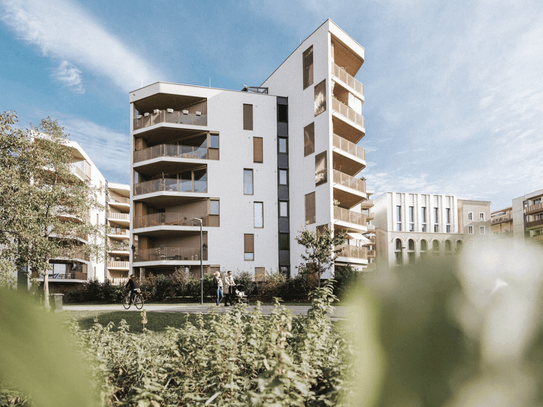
398	218
259	214
248	182
258	149
247	117
321	169
310	210
249	247
423	218
320	97
308	67
309	139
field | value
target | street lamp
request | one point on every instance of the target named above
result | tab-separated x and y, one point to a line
201	264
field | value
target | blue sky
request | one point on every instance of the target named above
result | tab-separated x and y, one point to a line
454	90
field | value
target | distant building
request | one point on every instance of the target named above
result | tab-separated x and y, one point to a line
255	166
118	233
411	226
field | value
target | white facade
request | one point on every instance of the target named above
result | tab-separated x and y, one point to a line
195	149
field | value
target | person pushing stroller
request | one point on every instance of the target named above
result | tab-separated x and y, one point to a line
230	288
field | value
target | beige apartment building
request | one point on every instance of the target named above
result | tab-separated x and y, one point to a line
252	167
118	233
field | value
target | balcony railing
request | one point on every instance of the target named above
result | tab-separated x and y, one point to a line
171	218
349	216
171	185
534	208
118	200
170	253
501	219
74	275
83	174
353	251
170	116
79	254
118	216
372	253
118	264
115	246
348	181
119	231
343	76
349	147
347	112
171	150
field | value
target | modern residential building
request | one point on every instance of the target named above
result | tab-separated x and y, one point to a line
523	220
411	226
251	168
118	233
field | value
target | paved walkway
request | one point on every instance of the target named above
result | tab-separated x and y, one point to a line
339	311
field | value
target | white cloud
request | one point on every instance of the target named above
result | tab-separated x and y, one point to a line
70	76
62	30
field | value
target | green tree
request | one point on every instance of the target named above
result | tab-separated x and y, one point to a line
44	206
321	249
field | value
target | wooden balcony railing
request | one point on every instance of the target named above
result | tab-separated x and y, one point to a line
115	200
349	147
119	231
174	218
346	78
354	252
170	185
170	253
349	181
534	208
349	216
174	151
170	116
75	253
118	264
118	216
347	112
501	219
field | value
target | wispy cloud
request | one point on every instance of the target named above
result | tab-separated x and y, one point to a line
64	31
70	76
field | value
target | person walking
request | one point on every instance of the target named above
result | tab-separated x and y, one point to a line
230	288
218	284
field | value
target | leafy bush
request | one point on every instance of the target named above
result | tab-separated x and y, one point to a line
345	280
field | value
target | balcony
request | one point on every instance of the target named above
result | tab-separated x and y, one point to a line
118	265
84	174
76	254
119	233
348	113
349	181
170	185
353	252
118	216
348	147
170	116
345	215
534	224
170	253
118	200
174	219
501	219
534	208
348	80
74	275
116	246
176	151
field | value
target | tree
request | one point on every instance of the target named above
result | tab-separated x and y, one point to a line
44	206
321	249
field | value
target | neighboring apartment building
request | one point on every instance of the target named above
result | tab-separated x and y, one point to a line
255	166
523	220
410	226
118	233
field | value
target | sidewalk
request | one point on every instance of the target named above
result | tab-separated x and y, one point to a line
339	311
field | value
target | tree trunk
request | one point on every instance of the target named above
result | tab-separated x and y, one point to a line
46	291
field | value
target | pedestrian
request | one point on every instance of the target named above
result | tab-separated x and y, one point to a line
230	288
218	284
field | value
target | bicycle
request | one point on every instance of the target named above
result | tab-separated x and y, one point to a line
137	300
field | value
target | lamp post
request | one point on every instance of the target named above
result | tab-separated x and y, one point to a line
201	264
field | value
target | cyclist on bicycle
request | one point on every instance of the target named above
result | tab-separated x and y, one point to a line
132	286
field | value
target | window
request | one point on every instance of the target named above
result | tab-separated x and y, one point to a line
310	210
247	117
482	216
283	209
423	214
398	244
470	215
258	153
481	230
309	139
213	152
308	67
284	241
214	207
248	182
249	246
398	253
283	145
320	97
411	245
321	169
448	215
411	219
258	214
398	218
282	111
470	229
436	215
283	177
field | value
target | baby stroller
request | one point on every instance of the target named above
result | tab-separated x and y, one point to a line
239	294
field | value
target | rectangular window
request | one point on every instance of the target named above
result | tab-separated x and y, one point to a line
249	246
481	230
308	67
258	149
448	228
423	214
436	215
398	227
482	216
398	213
259	214
411	214
247	117
283	145
283	177
448	215
310	210
320	97
213	152
470	215
283	241
283	209
309	139
248	182
423	227
470	229
214	207
436	228
321	169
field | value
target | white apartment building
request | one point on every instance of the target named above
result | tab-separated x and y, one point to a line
411	226
255	165
118	233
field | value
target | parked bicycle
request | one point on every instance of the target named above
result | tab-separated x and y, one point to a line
135	298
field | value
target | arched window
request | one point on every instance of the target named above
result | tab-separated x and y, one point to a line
459	246
435	247
398	252
411	251
398	244
411	245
